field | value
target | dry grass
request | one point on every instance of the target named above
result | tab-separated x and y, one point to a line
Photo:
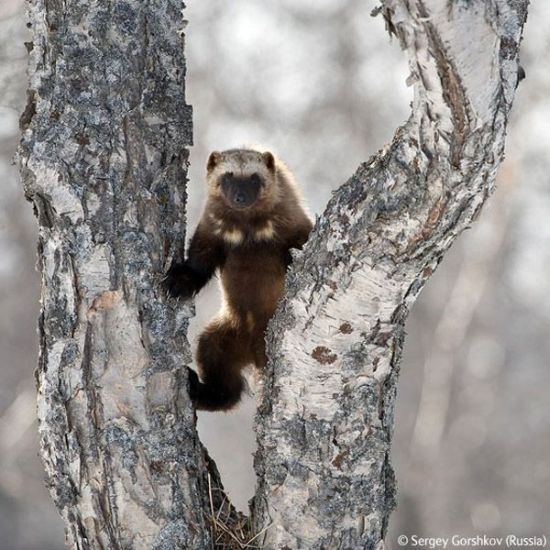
230	529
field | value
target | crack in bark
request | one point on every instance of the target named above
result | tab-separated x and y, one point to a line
453	91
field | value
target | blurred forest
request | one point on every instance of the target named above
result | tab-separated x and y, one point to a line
320	83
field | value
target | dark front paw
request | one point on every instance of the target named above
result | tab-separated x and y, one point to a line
194	384
179	282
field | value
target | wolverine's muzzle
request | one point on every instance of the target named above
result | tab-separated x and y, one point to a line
241	192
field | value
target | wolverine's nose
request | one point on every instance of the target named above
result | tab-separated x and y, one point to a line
240	198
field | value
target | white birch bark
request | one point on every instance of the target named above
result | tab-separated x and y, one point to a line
326	423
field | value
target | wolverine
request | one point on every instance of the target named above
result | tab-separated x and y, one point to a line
253	216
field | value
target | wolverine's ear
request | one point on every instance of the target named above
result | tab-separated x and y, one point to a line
213	160
269	160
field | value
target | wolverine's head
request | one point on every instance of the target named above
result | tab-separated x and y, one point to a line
243	178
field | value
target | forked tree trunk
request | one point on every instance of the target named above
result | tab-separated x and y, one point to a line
103	159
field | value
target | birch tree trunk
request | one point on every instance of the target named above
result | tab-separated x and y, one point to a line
104	161
326	423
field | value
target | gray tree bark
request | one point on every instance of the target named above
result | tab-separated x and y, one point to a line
104	161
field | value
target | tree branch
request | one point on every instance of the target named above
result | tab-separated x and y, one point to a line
326	422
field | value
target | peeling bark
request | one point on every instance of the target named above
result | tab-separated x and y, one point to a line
104	162
326	422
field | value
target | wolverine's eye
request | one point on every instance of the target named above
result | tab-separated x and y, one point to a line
227	177
256	179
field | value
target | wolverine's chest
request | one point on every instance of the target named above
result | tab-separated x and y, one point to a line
254	261
236	232
253	278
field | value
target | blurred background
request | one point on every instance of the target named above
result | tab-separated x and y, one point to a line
320	83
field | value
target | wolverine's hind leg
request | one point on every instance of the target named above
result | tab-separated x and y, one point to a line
222	353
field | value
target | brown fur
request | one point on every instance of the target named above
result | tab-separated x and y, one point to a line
250	247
